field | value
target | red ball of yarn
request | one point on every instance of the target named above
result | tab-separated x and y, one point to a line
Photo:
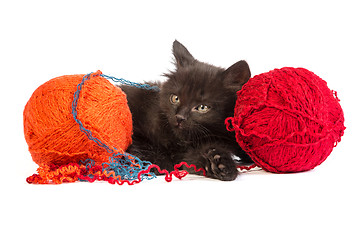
287	120
51	132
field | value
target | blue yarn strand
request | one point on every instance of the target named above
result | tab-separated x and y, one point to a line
74	113
126	82
121	164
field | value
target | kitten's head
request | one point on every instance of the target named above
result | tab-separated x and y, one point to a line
197	97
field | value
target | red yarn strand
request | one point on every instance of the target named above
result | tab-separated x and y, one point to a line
74	172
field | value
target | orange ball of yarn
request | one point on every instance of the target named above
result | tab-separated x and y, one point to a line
54	137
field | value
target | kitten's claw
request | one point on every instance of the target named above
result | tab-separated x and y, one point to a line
217	157
220	165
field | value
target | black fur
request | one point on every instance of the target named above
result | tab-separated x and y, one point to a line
185	120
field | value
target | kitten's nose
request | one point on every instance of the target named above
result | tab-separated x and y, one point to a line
179	118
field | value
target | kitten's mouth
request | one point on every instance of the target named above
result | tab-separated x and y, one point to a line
179	126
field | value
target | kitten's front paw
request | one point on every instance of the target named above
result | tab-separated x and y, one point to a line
220	165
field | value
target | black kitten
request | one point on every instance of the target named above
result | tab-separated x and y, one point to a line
185	120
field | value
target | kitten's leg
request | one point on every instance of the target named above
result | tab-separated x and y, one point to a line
216	161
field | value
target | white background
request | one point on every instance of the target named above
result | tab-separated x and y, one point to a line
40	40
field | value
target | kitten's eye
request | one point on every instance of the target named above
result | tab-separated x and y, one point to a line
202	108
174	99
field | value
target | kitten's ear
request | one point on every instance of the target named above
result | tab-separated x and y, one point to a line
182	55
237	75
